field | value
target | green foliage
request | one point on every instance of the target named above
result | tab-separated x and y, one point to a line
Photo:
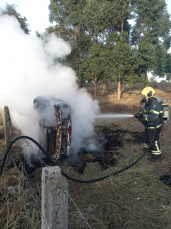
11	10
151	35
169	77
163	81
168	67
105	45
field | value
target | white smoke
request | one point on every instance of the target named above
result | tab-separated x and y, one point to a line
56	47
28	70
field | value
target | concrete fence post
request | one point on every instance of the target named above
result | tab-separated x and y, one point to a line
7	125
54	199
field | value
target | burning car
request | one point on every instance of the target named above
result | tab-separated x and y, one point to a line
55	126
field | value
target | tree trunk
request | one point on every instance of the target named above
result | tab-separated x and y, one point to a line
119	78
80	82
95	86
122	22
75	37
146	76
104	87
80	78
119	87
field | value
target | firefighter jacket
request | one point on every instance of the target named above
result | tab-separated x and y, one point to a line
153	112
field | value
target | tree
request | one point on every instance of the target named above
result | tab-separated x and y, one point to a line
151	36
110	53
66	15
105	45
168	66
117	42
95	22
11	10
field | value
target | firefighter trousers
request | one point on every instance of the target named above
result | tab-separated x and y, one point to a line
149	136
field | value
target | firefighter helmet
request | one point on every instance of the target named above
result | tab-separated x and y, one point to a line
148	91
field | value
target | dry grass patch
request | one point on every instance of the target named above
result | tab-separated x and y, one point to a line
21	209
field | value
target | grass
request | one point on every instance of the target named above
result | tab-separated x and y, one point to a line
22	209
133	199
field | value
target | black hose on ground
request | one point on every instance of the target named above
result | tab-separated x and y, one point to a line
64	174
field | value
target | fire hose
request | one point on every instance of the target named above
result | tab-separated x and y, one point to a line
64	174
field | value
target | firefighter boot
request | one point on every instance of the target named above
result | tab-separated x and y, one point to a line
155	157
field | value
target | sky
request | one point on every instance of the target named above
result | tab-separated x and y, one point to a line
168	2
36	12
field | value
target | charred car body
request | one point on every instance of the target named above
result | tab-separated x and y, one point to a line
55	126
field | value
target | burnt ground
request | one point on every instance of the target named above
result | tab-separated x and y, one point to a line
111	142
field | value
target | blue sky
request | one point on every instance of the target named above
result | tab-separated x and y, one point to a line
168	2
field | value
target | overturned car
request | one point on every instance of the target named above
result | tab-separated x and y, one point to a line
55	126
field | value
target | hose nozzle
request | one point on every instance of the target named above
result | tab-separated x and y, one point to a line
138	115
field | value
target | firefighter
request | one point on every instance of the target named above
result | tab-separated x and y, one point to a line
151	117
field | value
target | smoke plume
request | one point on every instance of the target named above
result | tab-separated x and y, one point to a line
28	69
